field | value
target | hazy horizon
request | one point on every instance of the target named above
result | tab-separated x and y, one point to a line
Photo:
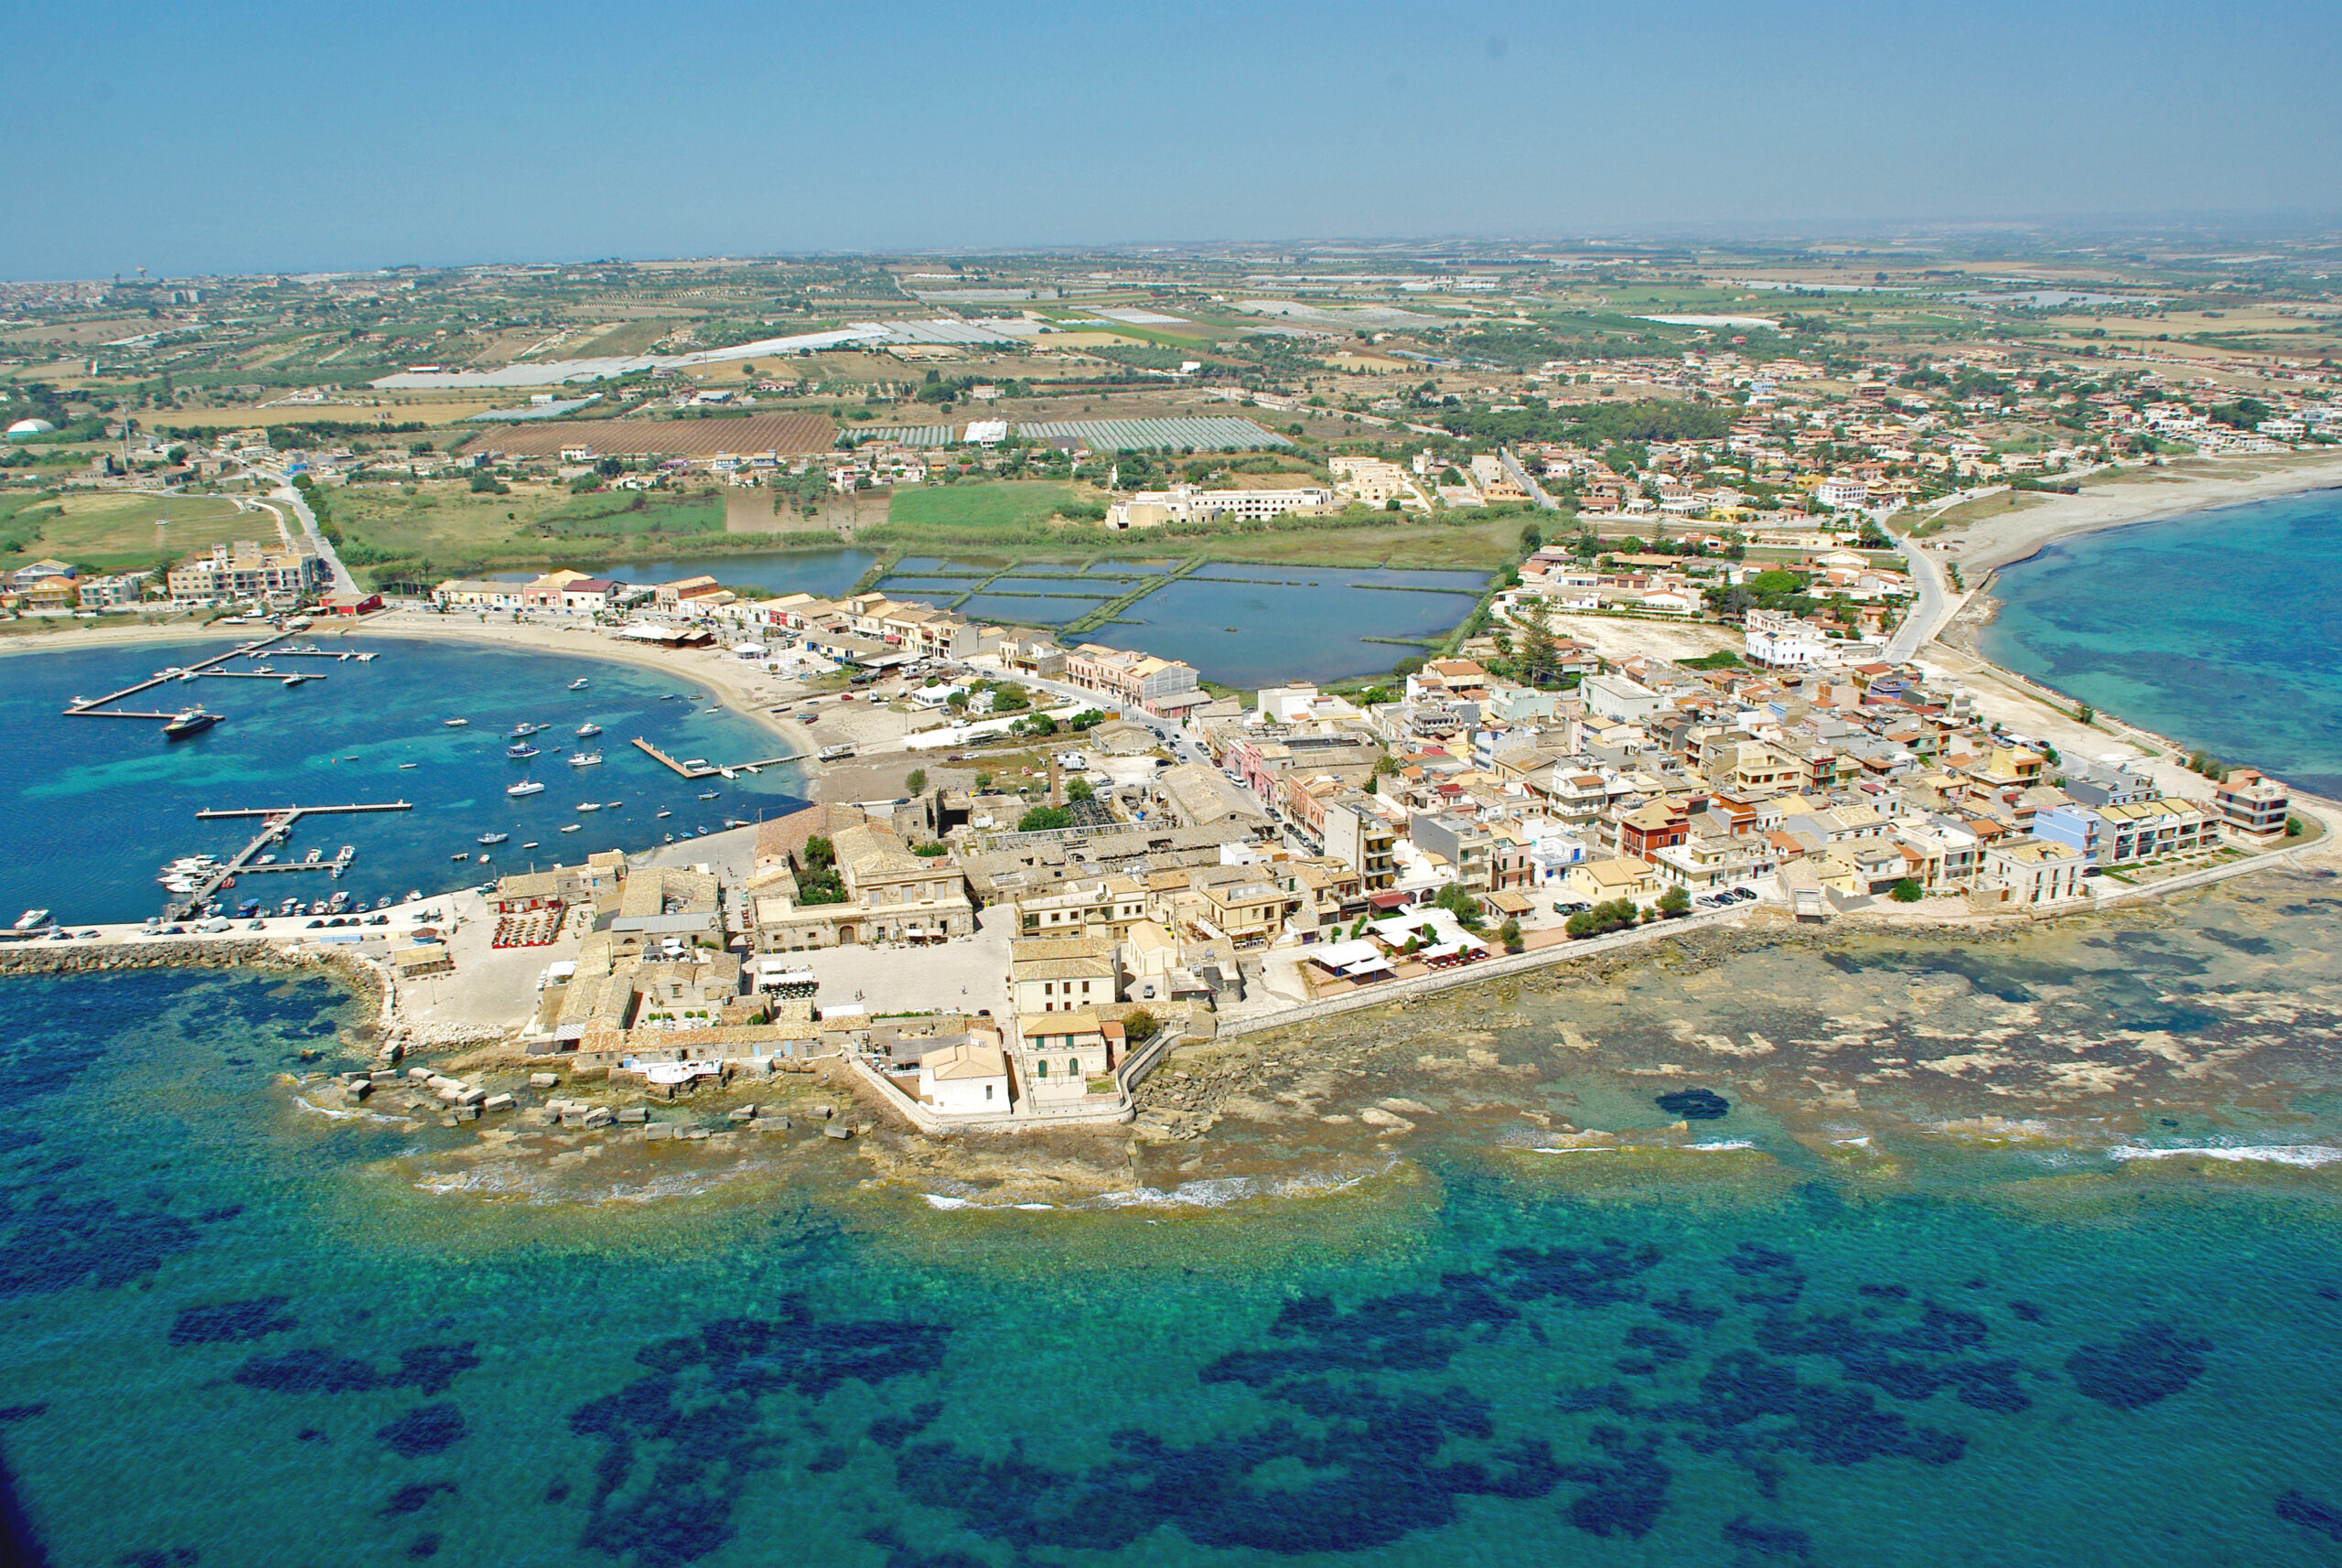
439	136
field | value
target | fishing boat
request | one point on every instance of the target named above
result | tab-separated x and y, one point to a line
589	805
572	827
588	731
521	751
727	773
494	838
524	730
587	759
614	805
578	684
293	680
526	787
461	854
456	724
708	794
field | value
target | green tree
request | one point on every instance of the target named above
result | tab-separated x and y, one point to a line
1079	790
1041	818
1674	901
1906	892
1535	658
1138	1025
916	783
1509	934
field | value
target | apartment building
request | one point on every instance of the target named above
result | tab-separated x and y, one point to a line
231	574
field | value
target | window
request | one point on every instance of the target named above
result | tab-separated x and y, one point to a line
1073	1067
987	1091
1041	1068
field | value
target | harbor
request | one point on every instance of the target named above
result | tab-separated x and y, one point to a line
205	880
179	723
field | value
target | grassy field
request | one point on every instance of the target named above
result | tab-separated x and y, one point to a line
454	529
1017	514
118	532
1008	505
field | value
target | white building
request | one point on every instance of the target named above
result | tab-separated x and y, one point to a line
967	1080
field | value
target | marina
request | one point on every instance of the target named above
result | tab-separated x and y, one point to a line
213	667
280	821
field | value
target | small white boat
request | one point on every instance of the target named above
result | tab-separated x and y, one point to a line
727	773
493	838
404	765
530	844
665	814
528	786
749	766
456	723
482	861
573	827
712	712
461	854
578	684
589	805
587	759
614	805
588	731
707	794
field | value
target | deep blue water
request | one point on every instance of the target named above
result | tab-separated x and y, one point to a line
90	808
2219	630
236	1331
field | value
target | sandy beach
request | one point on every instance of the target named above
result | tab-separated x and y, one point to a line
2138	496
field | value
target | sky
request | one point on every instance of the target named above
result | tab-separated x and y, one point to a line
225	137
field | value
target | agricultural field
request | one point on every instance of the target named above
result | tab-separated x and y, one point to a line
451	529
1014	504
119	534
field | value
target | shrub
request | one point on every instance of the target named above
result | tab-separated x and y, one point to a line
1044	817
1906	892
1674	901
1509	934
1138	1023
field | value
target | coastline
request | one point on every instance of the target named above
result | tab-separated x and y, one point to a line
709	669
2155	496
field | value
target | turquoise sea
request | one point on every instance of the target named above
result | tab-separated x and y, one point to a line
1965	1252
235	1329
2217	629
90	808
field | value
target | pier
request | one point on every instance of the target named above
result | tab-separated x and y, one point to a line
90	707
711	769
279	822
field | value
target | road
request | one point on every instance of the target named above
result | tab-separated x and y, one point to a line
343	583
1522	477
1929	611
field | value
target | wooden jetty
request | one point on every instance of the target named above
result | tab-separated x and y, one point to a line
711	769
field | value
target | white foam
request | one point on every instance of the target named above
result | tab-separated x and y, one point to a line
1576	1149
2310	1156
1721	1147
937	1200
